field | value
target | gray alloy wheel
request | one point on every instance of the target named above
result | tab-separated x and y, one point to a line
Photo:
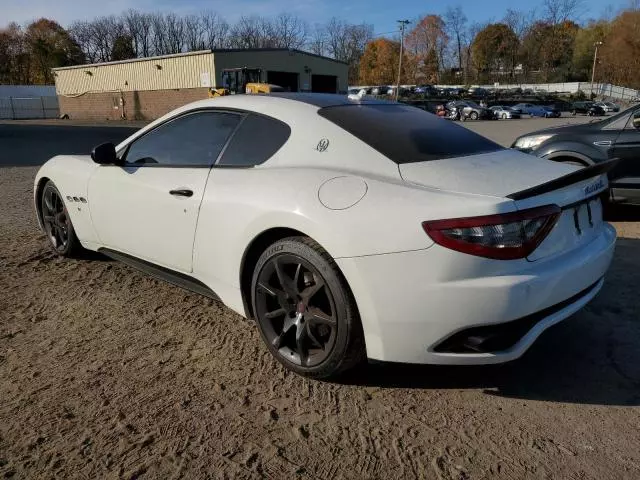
304	309
57	223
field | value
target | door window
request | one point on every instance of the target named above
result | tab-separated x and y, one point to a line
192	140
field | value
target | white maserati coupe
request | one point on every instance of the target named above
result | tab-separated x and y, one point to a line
347	228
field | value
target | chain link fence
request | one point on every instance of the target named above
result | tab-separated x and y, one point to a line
17	108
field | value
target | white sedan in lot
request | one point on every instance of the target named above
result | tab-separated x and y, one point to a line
348	229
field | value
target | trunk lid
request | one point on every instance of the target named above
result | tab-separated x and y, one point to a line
530	182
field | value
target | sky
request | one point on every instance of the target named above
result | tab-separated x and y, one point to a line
381	13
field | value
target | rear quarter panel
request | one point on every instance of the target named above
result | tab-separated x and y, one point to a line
70	174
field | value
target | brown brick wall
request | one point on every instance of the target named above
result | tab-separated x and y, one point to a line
144	105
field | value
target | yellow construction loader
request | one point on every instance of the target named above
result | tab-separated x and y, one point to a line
242	80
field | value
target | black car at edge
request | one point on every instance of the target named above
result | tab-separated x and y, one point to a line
617	136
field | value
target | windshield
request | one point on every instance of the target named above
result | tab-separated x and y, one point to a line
407	134
614	118
472	104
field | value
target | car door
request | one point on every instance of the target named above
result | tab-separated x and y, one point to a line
627	147
148	207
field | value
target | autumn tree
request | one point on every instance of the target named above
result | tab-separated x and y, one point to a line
50	46
426	44
620	54
15	59
548	49
584	46
379	63
493	49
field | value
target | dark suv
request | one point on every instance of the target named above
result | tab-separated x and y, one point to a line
590	143
589	108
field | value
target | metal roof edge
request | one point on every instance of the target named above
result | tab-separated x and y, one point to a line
133	60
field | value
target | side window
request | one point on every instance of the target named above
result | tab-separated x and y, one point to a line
194	139
634	121
256	141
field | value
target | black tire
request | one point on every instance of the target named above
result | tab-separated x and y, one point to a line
473	115
504	116
317	334
56	222
573	112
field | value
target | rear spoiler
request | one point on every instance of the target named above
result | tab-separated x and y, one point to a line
565	180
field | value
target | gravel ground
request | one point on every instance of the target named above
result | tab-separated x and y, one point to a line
107	373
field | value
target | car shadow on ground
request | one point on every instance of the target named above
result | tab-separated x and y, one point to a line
591	358
622	213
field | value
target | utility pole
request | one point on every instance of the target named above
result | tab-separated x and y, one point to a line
593	70
403	24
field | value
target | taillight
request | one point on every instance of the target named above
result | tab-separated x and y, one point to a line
505	236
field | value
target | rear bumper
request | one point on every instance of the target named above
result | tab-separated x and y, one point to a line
411	303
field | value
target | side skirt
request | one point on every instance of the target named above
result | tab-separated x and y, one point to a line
161	273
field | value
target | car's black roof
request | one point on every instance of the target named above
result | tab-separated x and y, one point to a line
322	100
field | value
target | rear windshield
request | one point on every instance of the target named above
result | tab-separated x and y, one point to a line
407	134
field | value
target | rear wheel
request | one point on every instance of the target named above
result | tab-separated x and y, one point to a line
57	223
573	112
504	116
304	309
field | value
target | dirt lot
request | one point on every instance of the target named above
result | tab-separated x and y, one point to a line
106	373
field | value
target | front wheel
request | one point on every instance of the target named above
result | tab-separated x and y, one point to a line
57	222
504	116
473	116
304	309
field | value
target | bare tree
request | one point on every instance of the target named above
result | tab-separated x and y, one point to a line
289	31
558	11
139	28
318	40
346	42
455	24
82	33
215	30
194	33
247	32
158	35
175	33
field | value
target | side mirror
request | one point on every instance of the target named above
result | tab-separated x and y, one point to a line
636	121
105	154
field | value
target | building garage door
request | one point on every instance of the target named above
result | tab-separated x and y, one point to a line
286	80
324	83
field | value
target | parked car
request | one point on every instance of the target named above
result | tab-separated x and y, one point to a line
477	92
526	108
589	108
485	241
426	90
470	109
500	111
593	143
545	111
528	91
457	91
608	106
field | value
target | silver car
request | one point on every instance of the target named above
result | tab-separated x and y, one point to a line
609	106
500	111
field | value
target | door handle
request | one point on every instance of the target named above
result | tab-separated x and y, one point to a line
182	192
